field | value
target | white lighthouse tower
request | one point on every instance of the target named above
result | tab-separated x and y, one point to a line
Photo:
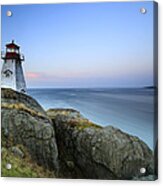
12	72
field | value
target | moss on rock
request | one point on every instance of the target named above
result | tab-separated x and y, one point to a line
22	167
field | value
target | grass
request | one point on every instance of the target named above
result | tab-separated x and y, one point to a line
52	113
22	167
81	124
74	119
22	107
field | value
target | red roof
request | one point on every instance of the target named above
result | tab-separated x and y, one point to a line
12	45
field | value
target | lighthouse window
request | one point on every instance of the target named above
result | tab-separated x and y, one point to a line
7	73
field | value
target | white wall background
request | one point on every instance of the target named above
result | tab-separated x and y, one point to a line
60	182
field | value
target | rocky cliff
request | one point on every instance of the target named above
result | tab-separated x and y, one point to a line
64	142
87	150
25	122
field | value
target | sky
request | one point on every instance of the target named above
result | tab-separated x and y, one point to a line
84	44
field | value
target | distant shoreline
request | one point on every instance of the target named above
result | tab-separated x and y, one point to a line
150	87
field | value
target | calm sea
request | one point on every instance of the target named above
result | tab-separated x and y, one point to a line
131	110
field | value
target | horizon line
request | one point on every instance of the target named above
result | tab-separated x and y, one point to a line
150	86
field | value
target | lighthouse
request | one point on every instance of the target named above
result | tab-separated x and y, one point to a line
12	72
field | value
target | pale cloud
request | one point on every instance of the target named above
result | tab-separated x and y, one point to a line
33	75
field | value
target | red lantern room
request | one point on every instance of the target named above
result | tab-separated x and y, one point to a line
12	52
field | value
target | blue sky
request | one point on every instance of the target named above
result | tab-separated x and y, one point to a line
83	45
